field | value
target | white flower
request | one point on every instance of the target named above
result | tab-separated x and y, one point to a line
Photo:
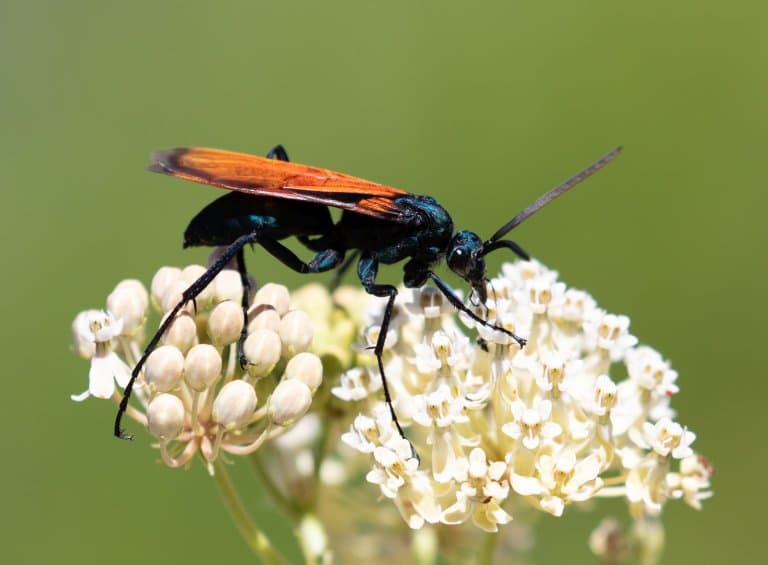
94	331
394	464
356	384
691	483
649	371
666	437
560	480
368	433
481	491
610	333
532	424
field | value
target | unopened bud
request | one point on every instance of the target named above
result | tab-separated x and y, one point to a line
264	317
234	405
227	286
189	275
225	323
128	302
262	349
290	401
161	282
202	366
165	416
182	333
307	368
173	295
275	295
163	368
295	332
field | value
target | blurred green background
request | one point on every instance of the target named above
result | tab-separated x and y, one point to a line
484	105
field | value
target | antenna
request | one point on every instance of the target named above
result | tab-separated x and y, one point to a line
545	199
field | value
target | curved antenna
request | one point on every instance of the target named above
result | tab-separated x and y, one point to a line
545	199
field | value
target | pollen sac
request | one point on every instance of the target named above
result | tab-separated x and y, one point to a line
202	367
234	405
262	348
225	323
163	369
165	416
289	402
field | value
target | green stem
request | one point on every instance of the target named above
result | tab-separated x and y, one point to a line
253	536
487	549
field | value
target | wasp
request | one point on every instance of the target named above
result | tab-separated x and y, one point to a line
272	199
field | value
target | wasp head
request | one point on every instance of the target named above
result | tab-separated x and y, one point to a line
465	258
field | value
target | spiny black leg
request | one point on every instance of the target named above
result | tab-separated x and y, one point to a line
190	294
341	271
323	261
459	305
366	270
278	152
246	288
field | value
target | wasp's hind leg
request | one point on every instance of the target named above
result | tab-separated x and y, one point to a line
367	268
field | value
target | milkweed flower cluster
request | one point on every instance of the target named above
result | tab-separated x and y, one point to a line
494	431
194	396
582	411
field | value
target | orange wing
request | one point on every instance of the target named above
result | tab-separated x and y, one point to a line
281	179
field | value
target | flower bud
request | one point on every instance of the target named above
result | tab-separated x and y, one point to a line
234	405
274	294
307	368
161	282
202	367
165	416
225	323
129	302
182	333
173	295
162	370
227	286
289	402
262	349
264	317
189	275
295	332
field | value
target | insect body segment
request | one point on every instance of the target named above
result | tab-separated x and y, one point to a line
273	199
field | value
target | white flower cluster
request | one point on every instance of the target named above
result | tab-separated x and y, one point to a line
194	396
581	411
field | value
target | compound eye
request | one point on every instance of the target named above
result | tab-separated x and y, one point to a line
458	260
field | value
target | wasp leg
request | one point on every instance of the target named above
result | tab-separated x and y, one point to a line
324	260
278	152
245	305
459	305
367	268
190	293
